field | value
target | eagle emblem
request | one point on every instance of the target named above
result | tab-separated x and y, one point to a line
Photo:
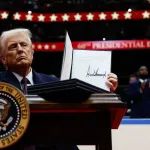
14	115
4	110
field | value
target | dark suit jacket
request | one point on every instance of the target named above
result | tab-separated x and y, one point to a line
141	101
38	78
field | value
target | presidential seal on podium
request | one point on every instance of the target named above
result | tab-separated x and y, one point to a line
14	115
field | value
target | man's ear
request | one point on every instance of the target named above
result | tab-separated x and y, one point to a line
32	53
32	46
3	59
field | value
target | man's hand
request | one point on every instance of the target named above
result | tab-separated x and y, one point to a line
112	81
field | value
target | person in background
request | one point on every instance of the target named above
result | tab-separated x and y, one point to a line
132	78
138	94
17	56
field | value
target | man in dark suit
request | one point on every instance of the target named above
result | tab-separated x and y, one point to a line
17	55
138	94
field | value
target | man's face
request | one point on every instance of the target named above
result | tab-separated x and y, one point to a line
143	70
18	51
132	79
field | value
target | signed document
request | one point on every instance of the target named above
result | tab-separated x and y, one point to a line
87	65
92	67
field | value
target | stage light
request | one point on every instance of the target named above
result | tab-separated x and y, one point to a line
29	12
129	10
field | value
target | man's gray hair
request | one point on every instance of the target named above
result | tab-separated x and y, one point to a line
7	34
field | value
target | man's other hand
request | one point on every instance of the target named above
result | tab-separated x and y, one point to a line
112	81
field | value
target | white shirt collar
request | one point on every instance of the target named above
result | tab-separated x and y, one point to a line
29	77
141	80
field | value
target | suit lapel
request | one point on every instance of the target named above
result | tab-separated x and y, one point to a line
36	78
10	78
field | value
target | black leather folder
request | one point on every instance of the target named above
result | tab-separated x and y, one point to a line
72	90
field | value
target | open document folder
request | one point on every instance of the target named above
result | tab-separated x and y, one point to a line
91	66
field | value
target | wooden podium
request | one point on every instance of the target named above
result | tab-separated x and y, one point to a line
87	123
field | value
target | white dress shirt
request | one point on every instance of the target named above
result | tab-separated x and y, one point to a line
141	80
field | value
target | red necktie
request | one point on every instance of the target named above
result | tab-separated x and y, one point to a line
143	85
24	83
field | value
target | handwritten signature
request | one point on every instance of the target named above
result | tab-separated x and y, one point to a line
94	73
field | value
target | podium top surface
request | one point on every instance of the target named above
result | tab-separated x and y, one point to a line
65	90
96	103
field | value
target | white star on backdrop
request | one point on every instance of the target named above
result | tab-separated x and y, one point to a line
29	17
65	17
46	46
53	17
127	15
146	14
90	16
53	46
17	16
4	15
102	16
115	15
77	16
41	17
39	46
